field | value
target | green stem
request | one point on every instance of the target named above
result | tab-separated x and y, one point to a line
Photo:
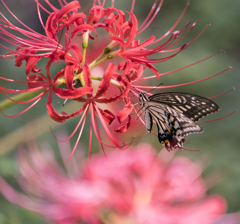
5	104
112	81
81	78
96	63
84	55
100	57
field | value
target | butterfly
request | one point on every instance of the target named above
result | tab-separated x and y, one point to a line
175	115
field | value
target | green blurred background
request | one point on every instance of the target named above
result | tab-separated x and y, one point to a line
220	140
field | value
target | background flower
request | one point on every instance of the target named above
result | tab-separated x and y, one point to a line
134	185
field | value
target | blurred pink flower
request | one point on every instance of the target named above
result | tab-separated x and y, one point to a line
145	189
130	186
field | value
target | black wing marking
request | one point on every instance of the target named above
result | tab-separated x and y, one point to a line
190	105
172	125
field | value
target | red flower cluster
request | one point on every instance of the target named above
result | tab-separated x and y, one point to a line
131	186
67	23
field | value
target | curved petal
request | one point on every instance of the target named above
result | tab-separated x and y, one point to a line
124	128
82	27
87	76
123	114
107	115
35	81
31	65
76	18
124	93
133	30
95	14
105	83
69	75
77	52
72	6
72	93
55	115
118	39
49	30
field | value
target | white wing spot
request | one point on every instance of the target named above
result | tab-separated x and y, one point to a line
183	108
203	102
184	99
176	108
180	101
189	107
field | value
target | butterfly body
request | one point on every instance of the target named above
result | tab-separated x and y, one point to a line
175	115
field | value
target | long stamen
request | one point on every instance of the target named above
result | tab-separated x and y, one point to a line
26	101
176	23
97	133
217	118
191	150
141	29
78	139
222	93
21	111
166	73
184	84
85	108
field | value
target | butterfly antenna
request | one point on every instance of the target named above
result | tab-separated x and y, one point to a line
160	84
136	89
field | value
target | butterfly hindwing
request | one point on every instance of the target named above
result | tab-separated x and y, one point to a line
190	105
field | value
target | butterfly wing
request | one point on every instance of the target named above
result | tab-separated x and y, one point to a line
172	125
190	105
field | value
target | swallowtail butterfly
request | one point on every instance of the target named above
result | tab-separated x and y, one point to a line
175	115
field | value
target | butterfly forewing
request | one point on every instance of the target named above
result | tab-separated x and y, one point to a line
190	105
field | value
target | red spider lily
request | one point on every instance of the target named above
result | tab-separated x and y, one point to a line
143	188
63	28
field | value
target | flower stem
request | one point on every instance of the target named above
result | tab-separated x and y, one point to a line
5	104
105	51
112	81
96	63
